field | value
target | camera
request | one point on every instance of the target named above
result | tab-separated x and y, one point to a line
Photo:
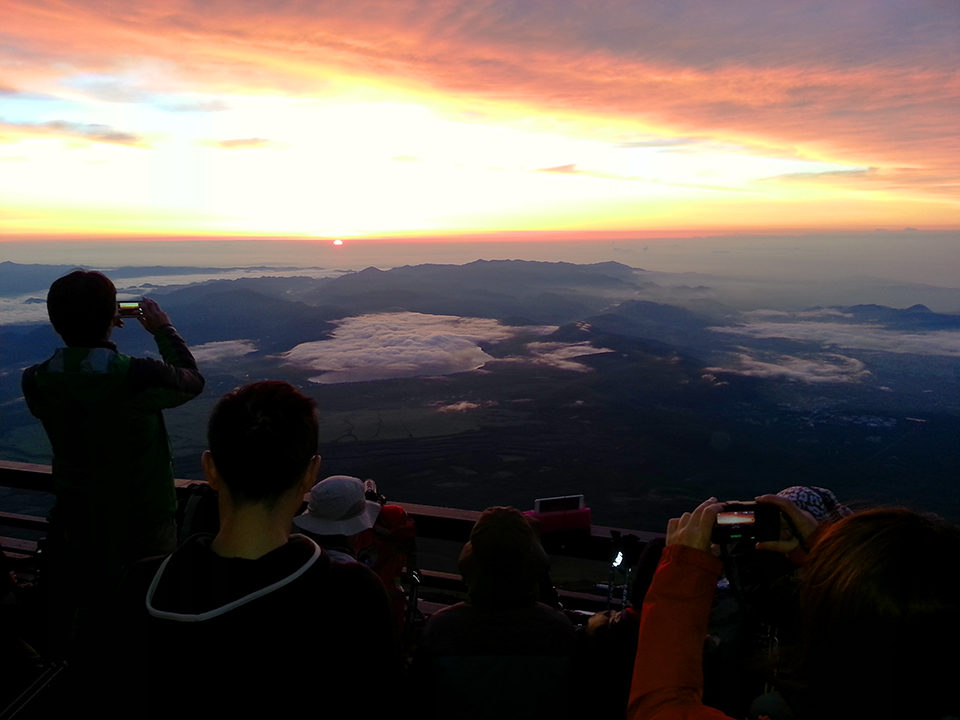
130	309
751	521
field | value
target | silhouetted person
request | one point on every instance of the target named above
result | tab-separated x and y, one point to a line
265	623
501	654
112	466
337	510
344	521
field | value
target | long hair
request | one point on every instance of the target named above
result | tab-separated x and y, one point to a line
880	599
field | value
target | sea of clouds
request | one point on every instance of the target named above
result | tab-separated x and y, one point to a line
854	336
826	368
405	344
825	329
215	351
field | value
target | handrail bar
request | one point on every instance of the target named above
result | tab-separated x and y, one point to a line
452	524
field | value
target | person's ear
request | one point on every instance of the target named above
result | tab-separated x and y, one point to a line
210	471
310	475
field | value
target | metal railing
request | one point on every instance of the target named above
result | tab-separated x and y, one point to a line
453	525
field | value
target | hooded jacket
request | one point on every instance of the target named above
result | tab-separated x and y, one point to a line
101	409
256	633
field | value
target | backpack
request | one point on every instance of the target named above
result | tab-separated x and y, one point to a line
197	511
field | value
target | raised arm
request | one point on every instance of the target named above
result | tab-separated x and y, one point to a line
172	381
668	672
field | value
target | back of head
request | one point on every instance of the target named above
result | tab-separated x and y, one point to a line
880	595
504	560
262	438
81	306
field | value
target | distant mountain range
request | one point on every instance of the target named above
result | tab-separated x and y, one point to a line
280	312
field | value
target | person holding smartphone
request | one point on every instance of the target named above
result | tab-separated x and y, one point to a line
112	465
879	599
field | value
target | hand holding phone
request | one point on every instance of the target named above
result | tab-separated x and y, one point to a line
694	529
797	525
152	317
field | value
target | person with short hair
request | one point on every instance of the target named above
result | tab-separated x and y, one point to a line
112	463
259	615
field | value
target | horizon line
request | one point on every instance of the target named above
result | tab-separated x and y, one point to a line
506	235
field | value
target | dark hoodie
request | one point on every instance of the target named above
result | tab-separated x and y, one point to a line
253	636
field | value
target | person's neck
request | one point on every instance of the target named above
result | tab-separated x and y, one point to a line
250	532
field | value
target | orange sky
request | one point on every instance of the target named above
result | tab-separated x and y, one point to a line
435	118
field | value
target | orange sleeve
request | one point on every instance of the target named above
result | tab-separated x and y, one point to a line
668	672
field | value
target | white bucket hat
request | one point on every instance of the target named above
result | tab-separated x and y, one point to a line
338	506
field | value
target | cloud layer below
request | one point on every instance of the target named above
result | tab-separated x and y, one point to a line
861	337
223	350
396	345
821	369
404	344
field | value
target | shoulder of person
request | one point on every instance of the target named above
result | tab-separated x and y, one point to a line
132	592
356	574
556	616
28	380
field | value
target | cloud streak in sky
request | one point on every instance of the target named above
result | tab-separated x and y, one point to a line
241	143
861	96
91	132
798	72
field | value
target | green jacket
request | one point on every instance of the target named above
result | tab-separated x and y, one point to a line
112	463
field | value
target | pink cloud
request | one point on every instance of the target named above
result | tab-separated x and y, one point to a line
866	82
241	143
89	132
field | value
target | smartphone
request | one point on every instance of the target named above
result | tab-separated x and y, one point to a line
752	521
130	309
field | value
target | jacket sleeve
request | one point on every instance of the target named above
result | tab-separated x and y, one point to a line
28	384
170	382
668	672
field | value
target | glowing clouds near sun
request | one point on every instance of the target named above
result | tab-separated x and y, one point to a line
352	119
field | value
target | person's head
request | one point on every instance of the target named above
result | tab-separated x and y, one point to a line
338	507
82	306
263	440
503	561
819	502
880	596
